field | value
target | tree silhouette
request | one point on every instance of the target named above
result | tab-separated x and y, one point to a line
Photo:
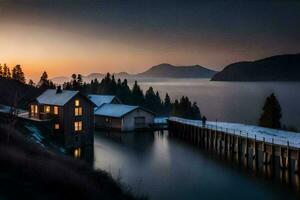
18	74
31	83
167	104
271	115
6	72
137	95
1	71
44	83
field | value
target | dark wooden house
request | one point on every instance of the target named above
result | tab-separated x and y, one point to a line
71	115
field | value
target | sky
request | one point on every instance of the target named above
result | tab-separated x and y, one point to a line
85	36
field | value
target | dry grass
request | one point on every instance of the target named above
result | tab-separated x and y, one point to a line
29	171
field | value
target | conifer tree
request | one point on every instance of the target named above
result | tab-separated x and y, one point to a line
79	80
137	95
1	71
271	115
151	100
31	83
18	74
44	83
6	72
167	104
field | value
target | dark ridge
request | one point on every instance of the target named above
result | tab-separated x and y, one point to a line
275	68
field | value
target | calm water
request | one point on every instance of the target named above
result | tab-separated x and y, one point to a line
166	168
233	101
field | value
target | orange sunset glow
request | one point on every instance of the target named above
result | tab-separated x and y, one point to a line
106	37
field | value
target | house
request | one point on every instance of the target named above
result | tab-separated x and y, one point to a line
71	115
123	117
99	100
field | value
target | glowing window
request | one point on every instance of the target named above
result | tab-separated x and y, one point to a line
35	109
78	111
55	110
77	103
78	126
47	109
56	126
32	109
77	153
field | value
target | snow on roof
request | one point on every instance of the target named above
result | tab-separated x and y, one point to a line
279	137
114	110
50	97
99	100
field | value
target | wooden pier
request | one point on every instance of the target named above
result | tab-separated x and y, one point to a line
263	151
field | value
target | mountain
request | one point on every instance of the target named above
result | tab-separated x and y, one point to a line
170	71
60	79
275	68
158	71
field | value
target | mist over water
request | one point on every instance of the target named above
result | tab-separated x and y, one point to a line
232	101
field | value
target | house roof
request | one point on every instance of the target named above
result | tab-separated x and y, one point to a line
99	100
116	110
50	97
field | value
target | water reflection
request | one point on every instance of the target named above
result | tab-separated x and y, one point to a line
167	168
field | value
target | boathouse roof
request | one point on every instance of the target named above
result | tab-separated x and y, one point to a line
117	110
99	100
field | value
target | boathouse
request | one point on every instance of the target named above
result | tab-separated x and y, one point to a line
99	100
71	115
123	117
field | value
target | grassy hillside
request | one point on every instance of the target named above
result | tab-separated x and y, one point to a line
29	171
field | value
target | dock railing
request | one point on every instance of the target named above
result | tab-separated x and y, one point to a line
266	139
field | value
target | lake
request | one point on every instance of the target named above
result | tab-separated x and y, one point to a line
163	167
232	101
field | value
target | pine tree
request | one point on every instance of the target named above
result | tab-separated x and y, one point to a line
31	83
137	95
167	104
44	83
195	111
125	93
150	100
79	80
18	74
1	71
6	72
271	115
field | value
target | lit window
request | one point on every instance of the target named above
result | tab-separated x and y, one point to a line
35	109
56	126
47	109
77	153
78	126
78	111
32	109
77	103
56	110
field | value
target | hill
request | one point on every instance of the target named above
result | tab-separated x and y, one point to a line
158	71
13	91
275	68
38	173
170	71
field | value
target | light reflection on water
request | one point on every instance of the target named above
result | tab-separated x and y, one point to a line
166	168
